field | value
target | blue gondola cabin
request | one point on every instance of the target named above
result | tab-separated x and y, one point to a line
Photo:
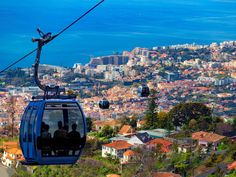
52	132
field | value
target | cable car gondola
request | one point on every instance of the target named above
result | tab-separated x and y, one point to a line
53	126
52	132
143	91
104	104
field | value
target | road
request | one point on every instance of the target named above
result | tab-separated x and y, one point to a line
6	172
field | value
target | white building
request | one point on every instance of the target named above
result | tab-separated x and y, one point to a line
139	139
11	157
115	149
129	156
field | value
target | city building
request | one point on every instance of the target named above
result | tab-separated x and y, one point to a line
129	156
205	139
115	149
139	139
165	145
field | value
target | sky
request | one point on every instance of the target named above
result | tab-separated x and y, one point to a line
114	26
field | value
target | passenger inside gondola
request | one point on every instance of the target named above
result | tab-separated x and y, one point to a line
46	140
61	132
61	140
64	123
74	138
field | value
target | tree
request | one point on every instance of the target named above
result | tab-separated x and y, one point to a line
232	173
11	110
70	92
132	121
162	119
107	131
192	124
234	156
157	150
223	128
91	146
181	162
182	113
151	113
234	123
124	120
89	124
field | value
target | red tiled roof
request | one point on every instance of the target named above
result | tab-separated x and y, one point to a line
165	174
232	166
14	151
165	144
126	129
206	136
162	141
113	175
119	144
103	123
9	157
129	153
21	158
142	122
10	144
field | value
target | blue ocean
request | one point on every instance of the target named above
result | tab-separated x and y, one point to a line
114	26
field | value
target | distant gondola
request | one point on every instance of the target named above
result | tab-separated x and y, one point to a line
143	91
104	104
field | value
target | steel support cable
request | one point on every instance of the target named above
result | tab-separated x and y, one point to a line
58	34
17	61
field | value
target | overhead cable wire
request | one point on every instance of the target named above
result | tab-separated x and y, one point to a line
17	61
58	34
79	18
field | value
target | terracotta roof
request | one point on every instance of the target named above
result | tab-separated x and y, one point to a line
165	144
10	144
141	122
165	174
14	151
129	153
113	175
21	158
232	166
126	129
9	157
118	145
206	136
159	141
109	122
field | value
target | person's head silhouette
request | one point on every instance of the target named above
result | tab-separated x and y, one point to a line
74	126
43	126
46	127
59	124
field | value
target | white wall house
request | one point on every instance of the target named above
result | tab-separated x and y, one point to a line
205	139
115	149
11	157
129	156
139	139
